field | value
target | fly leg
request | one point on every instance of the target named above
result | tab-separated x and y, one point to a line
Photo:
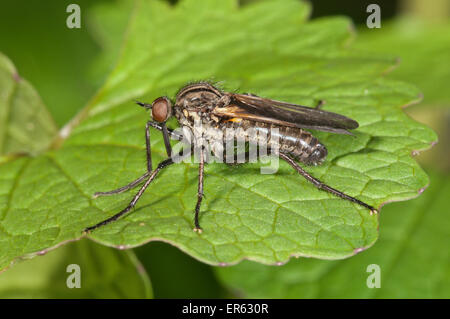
123	188
201	167
166	131
140	179
166	138
133	202
151	177
323	186
200	194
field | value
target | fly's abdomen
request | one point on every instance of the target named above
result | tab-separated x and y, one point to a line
301	144
293	141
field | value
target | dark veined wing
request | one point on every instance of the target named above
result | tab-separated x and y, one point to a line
270	111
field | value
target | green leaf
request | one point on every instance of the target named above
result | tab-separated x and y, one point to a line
25	124
267	49
422	48
107	24
104	273
412	253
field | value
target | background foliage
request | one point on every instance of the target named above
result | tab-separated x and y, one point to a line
406	238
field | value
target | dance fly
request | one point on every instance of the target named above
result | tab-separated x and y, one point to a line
213	108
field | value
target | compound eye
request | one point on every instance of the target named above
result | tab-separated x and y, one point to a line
161	109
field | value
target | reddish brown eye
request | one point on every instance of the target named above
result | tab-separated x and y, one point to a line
161	109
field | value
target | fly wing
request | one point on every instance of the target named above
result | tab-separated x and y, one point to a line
270	111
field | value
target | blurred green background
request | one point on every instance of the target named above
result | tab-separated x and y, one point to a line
67	67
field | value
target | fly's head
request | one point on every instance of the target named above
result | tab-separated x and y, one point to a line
161	109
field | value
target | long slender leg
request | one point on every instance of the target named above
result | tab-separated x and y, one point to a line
166	139
323	186
148	147
140	179
161	165
201	166
123	188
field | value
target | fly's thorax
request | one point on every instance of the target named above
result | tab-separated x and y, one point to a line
195	102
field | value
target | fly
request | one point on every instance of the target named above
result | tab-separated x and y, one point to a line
221	110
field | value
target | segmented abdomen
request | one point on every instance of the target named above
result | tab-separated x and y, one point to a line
298	143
